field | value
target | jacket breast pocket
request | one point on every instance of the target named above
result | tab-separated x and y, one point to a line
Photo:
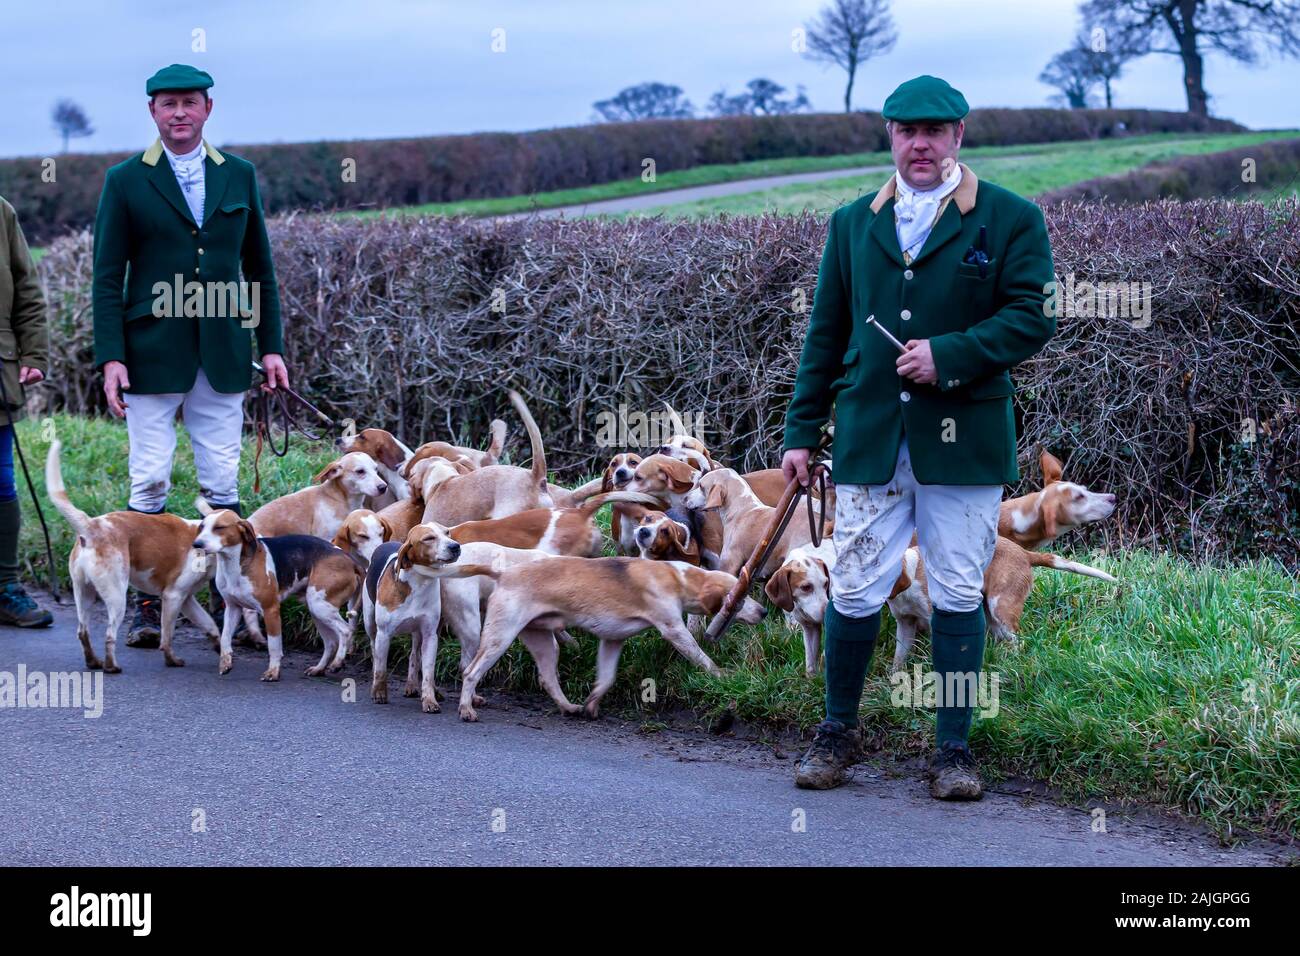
971	270
232	215
850	371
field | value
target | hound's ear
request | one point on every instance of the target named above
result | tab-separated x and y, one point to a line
1052	468
607	479
679	475
463	465
716	498
1048	508
778	590
389	454
387	526
202	505
247	534
681	536
343	538
404	557
712	596
329	471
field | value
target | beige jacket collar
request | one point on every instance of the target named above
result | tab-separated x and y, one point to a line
963	195
154	153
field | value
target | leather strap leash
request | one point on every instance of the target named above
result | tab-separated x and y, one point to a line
266	402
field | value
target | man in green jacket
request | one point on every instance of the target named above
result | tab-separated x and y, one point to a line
24	354
957	272
177	224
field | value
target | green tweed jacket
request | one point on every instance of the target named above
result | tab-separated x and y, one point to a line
166	292
960	431
24	332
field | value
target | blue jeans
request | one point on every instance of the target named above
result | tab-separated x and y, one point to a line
8	491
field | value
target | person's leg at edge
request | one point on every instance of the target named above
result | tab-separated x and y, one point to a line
873	527
957	533
16	606
151	437
215	421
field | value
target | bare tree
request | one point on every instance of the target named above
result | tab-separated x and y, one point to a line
762	98
1071	72
71	121
645	101
848	33
1189	29
1108	56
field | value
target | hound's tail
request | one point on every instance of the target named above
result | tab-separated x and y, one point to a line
1041	559
498	443
534	439
593	504
79	520
583	492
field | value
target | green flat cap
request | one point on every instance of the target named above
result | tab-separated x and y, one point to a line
178	76
925	98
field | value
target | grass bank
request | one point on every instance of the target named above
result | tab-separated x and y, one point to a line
1180	685
1026	168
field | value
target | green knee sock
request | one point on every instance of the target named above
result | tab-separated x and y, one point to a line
957	640
848	642
10	521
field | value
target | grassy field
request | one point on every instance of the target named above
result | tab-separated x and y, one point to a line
1180	685
1026	173
1028	169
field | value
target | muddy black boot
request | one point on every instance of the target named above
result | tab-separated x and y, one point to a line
146	625
18	609
834	749
953	774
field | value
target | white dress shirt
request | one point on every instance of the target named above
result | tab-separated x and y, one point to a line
189	176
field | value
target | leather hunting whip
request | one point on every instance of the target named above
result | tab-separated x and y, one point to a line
785	509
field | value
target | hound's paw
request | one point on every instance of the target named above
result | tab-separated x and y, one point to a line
112	669
335	667
412	689
271	674
591	710
379	693
478	701
314	670
174	661
467	714
573	710
226	663
94	664
429	705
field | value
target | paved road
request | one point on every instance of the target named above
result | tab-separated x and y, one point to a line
650	200
289	773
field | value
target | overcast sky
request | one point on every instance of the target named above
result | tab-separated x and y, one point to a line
290	71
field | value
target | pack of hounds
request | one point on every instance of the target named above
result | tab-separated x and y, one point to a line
446	536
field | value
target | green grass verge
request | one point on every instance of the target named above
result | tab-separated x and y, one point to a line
1062	163
1180	685
1030	173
